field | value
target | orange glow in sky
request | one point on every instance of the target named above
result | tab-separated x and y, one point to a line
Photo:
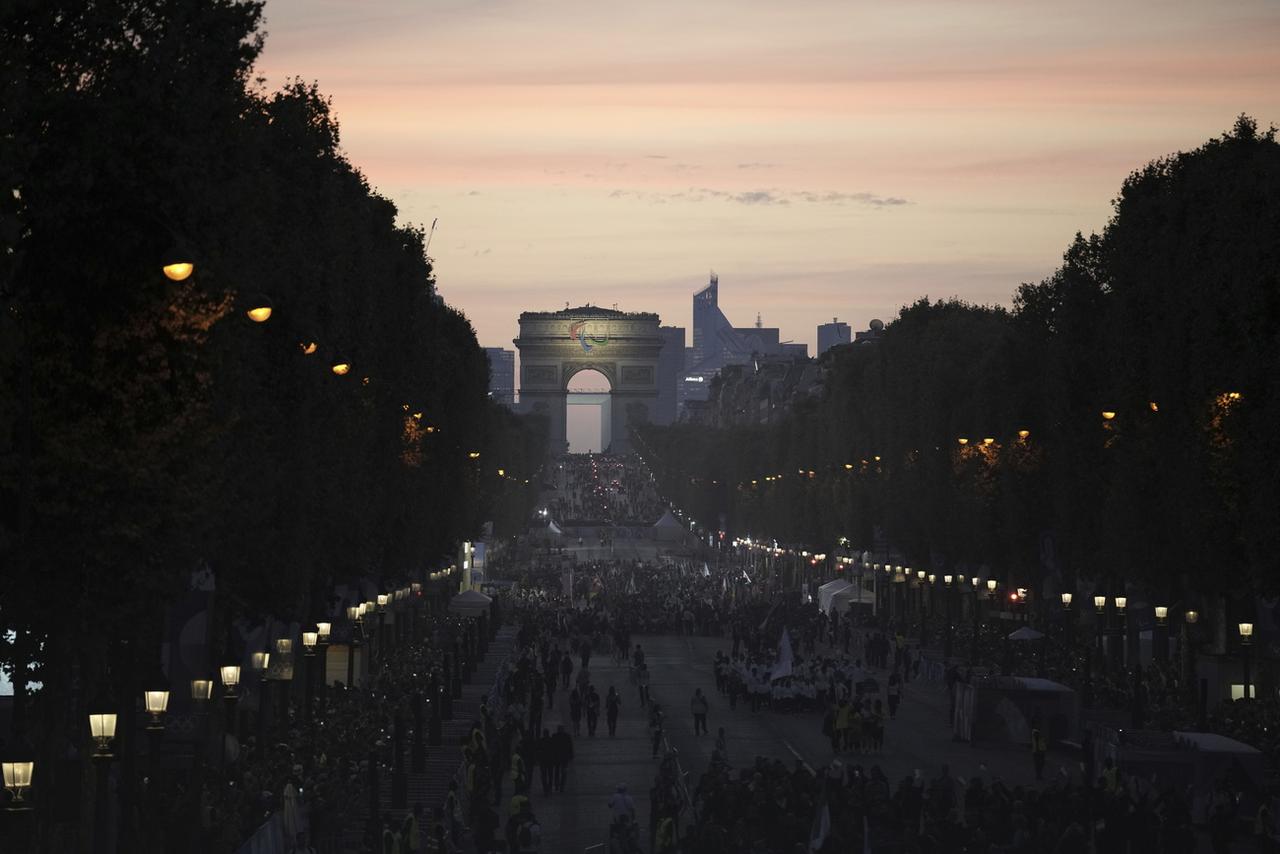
826	157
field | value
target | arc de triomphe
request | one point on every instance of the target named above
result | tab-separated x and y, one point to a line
624	346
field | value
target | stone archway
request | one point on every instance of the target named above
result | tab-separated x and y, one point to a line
555	345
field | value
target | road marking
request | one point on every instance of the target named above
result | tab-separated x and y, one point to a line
797	755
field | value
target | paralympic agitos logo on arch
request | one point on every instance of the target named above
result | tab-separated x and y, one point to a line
588	335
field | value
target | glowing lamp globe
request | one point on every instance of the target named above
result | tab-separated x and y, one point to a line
323	630
201	689
156	702
178	271
17	777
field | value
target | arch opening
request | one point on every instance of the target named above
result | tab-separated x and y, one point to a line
588	412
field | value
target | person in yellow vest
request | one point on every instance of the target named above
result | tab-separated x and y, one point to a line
410	837
1039	750
665	840
519	774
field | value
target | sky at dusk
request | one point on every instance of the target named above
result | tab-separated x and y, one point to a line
825	157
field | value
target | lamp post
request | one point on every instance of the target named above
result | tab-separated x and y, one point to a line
1117	648
284	650
230	676
259	662
974	613
355	616
156	702
1246	646
102	726
946	645
324	630
1068	624
309	641
1160	633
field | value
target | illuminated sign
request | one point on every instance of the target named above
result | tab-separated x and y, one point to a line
588	339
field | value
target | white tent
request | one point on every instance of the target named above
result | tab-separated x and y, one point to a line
828	591
668	528
553	528
470	603
852	595
1026	633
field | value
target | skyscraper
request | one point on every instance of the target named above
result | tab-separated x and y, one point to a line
502	375
831	335
670	373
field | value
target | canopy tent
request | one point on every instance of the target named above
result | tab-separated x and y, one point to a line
855	594
828	591
470	603
1026	633
668	528
553	528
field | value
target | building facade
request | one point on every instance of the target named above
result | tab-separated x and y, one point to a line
832	334
502	375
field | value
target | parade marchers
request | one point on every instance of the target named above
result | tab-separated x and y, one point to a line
783	657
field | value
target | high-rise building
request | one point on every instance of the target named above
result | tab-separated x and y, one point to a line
670	373
502	375
832	334
717	342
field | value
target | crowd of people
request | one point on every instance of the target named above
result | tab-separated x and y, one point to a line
604	489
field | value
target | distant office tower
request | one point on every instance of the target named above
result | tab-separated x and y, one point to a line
717	342
832	334
502	375
670	373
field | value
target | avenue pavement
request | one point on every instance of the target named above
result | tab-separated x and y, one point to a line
918	739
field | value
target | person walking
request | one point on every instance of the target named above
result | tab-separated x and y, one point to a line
575	711
642	680
546	753
894	691
655	727
612	705
563	745
698	705
593	710
566	670
1039	748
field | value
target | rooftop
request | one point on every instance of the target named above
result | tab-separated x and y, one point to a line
587	311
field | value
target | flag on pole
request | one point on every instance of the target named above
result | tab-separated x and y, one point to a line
785	659
821	825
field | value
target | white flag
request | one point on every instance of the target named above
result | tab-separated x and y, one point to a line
783	668
821	827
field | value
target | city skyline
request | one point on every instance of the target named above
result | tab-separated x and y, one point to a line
842	162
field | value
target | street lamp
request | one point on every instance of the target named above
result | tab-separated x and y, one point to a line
156	703
1246	643
178	271
1162	615
102	725
17	778
259	310
201	690
1100	603
230	675
991	585
341	368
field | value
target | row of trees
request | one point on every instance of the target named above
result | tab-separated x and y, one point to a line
1119	421
149	427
